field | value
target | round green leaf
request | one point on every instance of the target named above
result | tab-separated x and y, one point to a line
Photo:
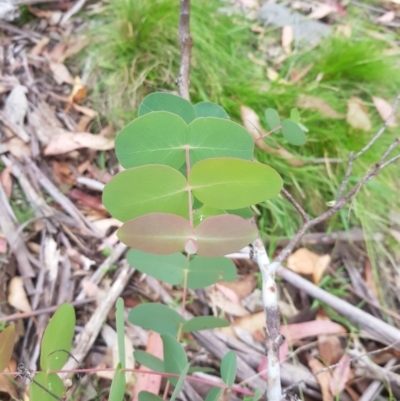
295	116
160	101
203	323
221	235
156	138
51	382
207	271
245	212
208	109
147	396
57	338
168	268
156	317
293	133
215	137
118	385
180	382
7	341
214	394
272	118
159	233
228	368
175	359
229	183
144	190
150	361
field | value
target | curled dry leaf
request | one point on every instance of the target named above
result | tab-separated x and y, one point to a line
243	287
60	73
251	122
384	109
306	262
387	17
17	295
316	103
67	142
323	378
357	114
341	376
16	105
287	38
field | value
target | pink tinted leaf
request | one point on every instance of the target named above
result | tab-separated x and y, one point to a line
224	234
159	233
340	375
314	328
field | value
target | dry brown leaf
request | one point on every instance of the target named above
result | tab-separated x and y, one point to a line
306	262
340	376
243	287
79	91
357	114
67	142
251	323
87	111
323	378
387	17
218	300
60	73
330	349
83	124
17	296
74	47
146	382
18	148
321	11
345	30
316	103
16	105
322	264
3	244
369	278
287	39
6	181
298	75
39	47
384	109
251	122
272	74
7	387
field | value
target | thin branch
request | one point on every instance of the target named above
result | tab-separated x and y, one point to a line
354	157
339	204
186	42
290	198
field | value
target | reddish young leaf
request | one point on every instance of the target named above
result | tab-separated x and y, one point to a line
159	233
224	234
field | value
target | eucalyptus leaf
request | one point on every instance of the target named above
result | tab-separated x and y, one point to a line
180	382
208	109
207	271
293	133
7	341
295	116
160	101
244	212
272	118
199	323
146	189
214	394
228	183
51	382
150	361
155	138
156	317
147	396
175	359
228	368
57	338
168	268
